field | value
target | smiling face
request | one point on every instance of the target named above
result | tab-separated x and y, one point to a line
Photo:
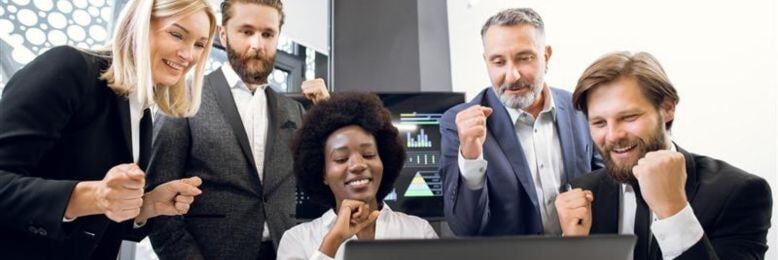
352	166
177	44
516	58
625	126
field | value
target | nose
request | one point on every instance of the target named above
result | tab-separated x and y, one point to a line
512	74
187	54
615	133
256	42
357	164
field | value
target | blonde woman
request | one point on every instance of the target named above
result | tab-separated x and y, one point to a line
75	132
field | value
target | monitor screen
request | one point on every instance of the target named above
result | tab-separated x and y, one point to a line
419	188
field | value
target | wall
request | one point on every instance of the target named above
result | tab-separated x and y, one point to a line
721	56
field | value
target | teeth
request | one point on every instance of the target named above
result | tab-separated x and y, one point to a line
621	150
174	65
359	182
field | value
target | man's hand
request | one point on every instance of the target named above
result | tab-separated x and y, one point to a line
170	199
662	177
471	126
353	216
575	212
315	90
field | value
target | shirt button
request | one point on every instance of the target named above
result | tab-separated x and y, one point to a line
536	130
541	166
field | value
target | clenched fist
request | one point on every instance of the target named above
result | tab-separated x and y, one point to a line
471	126
575	212
353	216
661	176
120	194
315	90
170	199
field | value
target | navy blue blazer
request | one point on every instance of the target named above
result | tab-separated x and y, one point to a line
508	203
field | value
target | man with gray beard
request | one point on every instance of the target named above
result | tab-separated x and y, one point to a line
506	153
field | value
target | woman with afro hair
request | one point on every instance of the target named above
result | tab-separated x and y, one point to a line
347	155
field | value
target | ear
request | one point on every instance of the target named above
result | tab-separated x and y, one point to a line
547	55
223	36
668	110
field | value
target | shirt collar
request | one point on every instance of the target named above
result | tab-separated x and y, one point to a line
548	107
234	81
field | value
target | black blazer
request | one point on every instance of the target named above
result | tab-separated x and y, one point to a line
59	124
733	207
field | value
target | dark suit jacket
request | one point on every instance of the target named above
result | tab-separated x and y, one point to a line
508	203
225	221
59	124
733	207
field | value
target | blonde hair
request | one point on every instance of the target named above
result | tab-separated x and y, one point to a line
130	68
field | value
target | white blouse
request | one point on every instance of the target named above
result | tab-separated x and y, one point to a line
303	241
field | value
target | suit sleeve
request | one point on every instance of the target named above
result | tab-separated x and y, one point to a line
169	157
37	104
466	210
740	231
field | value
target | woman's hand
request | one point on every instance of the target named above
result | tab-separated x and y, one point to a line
353	216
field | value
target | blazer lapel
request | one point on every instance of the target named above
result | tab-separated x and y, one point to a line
503	132
564	128
229	109
605	209
123	106
278	118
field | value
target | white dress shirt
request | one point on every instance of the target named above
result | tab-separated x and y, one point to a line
540	142
252	107
303	241
674	234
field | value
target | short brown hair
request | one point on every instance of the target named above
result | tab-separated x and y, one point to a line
651	78
227	8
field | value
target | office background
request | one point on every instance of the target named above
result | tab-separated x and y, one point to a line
722	57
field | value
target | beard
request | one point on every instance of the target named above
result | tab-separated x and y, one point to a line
623	173
247	73
520	101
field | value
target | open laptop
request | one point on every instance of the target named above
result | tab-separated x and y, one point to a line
595	247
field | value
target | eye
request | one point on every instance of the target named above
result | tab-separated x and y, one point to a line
247	32
267	35
526	58
369	155
200	45
340	160
597	123
498	62
631	118
177	35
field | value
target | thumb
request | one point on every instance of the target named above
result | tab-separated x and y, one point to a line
487	111
370	219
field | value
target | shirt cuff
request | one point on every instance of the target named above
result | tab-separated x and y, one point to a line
677	233
317	255
66	220
137	225
473	171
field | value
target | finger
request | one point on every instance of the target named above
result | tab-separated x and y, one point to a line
182	208
184	188
194	181
372	217
184	199
581	201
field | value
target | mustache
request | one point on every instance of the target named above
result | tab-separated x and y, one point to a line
515	86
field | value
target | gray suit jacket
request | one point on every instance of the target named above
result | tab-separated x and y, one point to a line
225	221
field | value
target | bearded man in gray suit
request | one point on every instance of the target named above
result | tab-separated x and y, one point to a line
238	143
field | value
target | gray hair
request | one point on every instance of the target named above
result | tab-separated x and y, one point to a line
514	16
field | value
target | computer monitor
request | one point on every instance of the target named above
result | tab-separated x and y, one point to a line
419	188
595	247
